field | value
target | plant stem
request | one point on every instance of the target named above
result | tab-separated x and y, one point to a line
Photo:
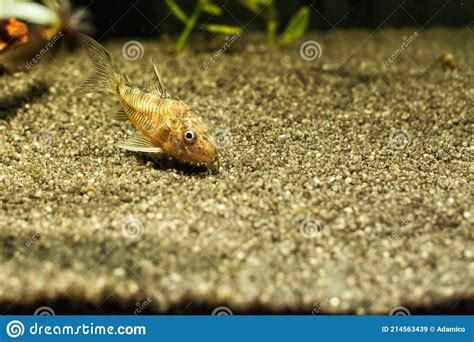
272	24
177	11
190	24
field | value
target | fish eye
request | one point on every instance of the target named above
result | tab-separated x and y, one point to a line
190	136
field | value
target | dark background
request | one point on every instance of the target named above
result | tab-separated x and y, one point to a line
152	17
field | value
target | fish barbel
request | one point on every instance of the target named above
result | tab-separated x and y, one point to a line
166	126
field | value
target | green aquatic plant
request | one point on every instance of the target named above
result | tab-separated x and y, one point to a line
191	22
266	9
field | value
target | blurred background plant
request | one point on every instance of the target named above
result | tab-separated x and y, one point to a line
191	22
51	16
42	23
27	26
267	10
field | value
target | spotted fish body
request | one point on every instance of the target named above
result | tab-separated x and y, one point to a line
166	125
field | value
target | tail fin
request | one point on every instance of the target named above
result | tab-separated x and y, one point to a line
107	75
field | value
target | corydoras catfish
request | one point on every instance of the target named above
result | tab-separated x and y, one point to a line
166	126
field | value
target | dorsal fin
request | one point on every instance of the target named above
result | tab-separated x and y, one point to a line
156	84
127	80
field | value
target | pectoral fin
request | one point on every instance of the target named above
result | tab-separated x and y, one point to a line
120	116
139	144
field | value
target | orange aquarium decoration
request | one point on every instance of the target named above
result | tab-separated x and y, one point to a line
12	33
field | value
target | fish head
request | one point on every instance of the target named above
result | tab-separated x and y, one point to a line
189	140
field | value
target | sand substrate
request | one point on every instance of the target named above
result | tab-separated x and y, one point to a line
344	187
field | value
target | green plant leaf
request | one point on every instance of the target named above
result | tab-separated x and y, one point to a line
177	11
263	3
251	5
267	11
272	27
190	24
209	7
270	15
296	27
255	6
223	29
